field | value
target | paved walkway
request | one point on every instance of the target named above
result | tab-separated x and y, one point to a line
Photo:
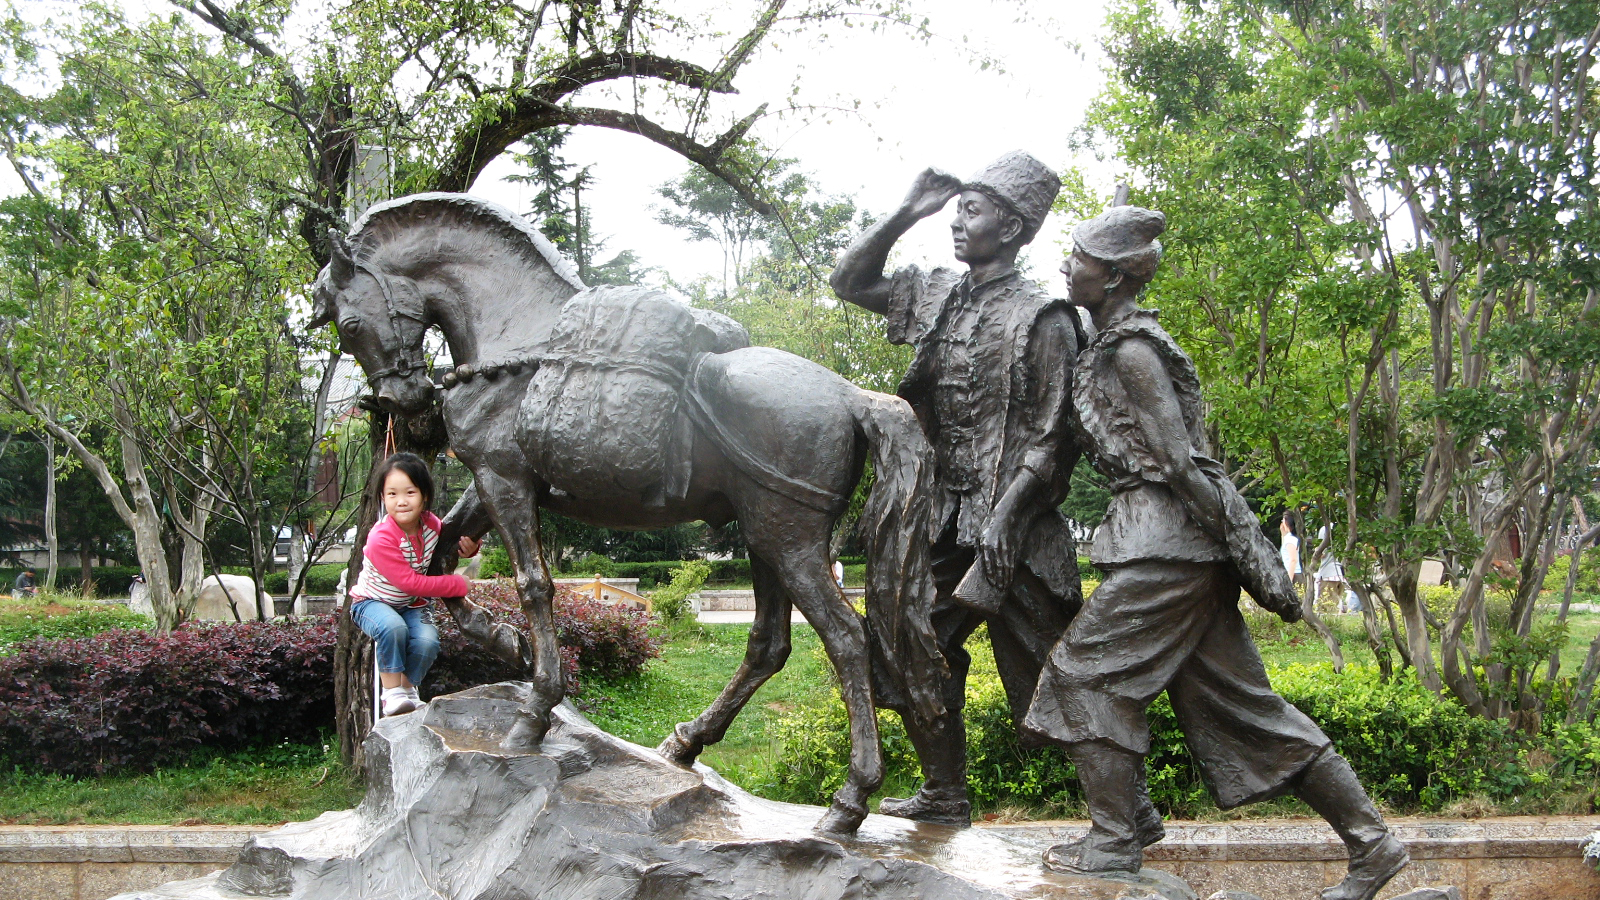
739	616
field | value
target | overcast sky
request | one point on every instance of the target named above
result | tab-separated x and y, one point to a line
921	104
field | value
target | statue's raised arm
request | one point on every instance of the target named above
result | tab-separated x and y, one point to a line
859	276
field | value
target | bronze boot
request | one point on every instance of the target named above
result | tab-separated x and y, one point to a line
1330	787
942	799
1120	808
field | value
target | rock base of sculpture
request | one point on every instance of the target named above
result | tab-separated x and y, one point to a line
592	817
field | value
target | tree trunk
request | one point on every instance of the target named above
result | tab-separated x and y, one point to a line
1403	584
51	540
297	557
192	563
1582	705
1369	618
146	527
352	661
85	569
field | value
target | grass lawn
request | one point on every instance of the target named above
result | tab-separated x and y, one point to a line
1283	645
267	786
291	782
694	667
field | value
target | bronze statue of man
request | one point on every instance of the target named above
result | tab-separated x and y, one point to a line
1177	544
990	383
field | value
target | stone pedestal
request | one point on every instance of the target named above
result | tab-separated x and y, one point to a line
592	817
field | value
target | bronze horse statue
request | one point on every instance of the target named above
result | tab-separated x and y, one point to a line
621	407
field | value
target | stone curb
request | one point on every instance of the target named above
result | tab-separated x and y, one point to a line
217	844
1541	837
1260	840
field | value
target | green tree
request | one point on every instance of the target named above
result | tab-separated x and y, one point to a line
1381	258
147	276
447	89
776	271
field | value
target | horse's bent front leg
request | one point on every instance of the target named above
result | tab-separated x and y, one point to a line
470	518
765	655
515	512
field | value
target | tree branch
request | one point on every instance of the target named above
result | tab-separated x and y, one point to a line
476	147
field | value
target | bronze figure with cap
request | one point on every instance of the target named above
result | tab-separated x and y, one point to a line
1177	544
991	384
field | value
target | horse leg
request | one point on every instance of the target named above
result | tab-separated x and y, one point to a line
516	514
802	566
469	517
765	654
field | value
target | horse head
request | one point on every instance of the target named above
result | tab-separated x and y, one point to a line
381	319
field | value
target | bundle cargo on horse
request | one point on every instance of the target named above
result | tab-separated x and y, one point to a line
605	412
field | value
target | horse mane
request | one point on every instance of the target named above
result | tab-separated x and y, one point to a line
382	219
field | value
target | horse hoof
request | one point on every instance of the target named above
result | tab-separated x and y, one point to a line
525	735
841	821
677	750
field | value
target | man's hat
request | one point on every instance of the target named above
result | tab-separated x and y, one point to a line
1021	182
1125	237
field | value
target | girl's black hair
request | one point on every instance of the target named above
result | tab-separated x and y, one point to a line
415	469
1287	520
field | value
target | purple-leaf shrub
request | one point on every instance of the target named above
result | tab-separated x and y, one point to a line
135	699
597	640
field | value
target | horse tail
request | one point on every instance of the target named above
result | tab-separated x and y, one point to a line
896	527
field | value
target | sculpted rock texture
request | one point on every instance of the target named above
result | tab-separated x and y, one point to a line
450	815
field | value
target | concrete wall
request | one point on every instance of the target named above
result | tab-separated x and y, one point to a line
1489	859
1520	858
93	863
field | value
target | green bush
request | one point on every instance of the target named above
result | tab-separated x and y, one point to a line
594	564
671	603
1588	574
496	563
320	580
1412	749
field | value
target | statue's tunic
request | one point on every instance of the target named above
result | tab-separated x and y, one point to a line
991	385
1167	616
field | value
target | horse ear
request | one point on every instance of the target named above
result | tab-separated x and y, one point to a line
341	268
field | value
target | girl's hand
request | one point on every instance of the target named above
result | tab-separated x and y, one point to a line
468	547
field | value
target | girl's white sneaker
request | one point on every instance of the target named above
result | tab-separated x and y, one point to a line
397	701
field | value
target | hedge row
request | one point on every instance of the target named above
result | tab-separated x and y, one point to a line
136	699
650	574
653	574
113	581
130	698
109	581
321	580
1412	749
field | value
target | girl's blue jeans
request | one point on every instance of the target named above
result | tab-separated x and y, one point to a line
404	640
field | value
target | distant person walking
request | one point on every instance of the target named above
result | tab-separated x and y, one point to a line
389	601
1331	572
24	585
1289	547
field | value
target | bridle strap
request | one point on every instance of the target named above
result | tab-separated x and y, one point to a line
404	363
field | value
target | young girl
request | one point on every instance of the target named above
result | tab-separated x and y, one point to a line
389	601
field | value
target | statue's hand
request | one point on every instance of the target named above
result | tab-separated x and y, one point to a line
930	192
997	553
